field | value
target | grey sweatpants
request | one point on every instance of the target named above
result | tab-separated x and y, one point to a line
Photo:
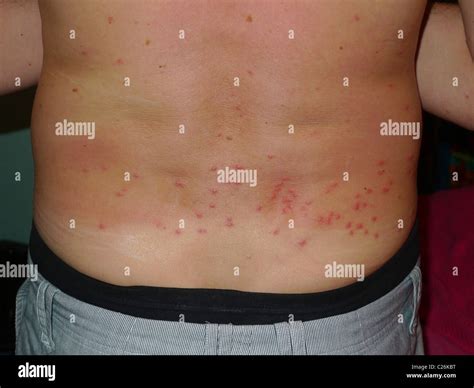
50	322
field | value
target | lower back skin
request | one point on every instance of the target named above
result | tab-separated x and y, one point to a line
235	236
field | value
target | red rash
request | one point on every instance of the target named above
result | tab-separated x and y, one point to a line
229	222
179	184
198	214
302	243
119	61
359	205
380	172
276	232
374	218
327	220
121	193
110	19
202	231
212	206
177	232
102	226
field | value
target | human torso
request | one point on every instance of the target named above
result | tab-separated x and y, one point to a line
141	203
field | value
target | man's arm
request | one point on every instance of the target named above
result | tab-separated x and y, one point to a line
467	11
443	60
21	48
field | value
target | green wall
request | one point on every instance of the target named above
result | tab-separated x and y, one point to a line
16	197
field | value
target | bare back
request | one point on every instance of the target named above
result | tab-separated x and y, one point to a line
178	91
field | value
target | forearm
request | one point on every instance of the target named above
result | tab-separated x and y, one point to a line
445	70
21	50
467	11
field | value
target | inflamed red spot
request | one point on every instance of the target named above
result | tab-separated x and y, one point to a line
302	243
179	184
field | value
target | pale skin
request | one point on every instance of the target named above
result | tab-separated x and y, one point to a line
144	196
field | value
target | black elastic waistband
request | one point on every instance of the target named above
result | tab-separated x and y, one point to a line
223	306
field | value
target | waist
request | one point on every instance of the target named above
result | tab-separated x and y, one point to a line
224	306
231	236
